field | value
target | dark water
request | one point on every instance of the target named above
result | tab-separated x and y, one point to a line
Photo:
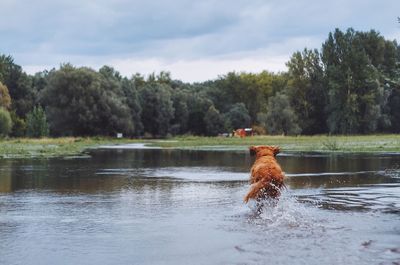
185	207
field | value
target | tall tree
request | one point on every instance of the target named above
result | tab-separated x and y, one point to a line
19	86
181	112
199	105
213	121
132	99
157	108
5	122
36	123
250	89
353	82
307	91
5	99
238	117
80	101
280	118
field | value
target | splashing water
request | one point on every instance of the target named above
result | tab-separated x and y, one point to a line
283	212
393	171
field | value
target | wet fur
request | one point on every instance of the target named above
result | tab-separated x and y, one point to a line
266	174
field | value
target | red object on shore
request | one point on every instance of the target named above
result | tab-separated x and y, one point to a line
243	132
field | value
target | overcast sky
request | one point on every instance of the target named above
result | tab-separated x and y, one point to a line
194	40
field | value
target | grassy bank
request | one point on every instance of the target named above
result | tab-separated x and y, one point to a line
61	147
368	143
52	147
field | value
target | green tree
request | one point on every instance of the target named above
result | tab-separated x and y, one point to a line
354	84
5	99
181	112
36	123
250	89
262	120
213	121
257	89
199	105
19	86
126	91
238	117
5	122
19	125
80	102
280	118
307	91
394	106
39	80
157	108
132	99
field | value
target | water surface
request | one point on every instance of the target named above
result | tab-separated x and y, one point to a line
154	206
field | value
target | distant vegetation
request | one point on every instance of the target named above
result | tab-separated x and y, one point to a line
351	85
81	146
318	143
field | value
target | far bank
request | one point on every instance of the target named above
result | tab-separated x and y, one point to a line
72	146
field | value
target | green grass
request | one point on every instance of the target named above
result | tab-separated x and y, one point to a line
63	147
320	143
52	147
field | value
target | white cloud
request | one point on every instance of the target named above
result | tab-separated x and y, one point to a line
272	58
195	70
395	35
201	69
194	40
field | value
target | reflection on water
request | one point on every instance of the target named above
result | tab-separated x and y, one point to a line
180	206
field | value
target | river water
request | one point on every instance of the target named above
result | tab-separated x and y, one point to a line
153	206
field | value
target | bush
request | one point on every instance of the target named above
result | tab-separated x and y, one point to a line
36	123
19	125
5	99
5	122
259	130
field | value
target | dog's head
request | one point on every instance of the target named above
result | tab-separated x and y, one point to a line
263	150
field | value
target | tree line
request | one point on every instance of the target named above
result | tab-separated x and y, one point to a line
351	85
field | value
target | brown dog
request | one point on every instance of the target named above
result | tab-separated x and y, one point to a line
266	174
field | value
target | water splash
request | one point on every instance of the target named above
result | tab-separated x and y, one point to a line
393	172
285	212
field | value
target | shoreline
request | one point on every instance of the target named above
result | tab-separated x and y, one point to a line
20	148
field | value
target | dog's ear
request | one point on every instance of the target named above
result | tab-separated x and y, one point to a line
253	150
276	150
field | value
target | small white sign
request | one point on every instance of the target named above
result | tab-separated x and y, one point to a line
119	135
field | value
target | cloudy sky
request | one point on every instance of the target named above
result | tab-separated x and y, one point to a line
194	40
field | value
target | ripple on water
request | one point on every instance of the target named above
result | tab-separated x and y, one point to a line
377	197
116	209
198	174
289	229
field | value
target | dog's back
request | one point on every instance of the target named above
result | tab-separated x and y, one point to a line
266	174
266	166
